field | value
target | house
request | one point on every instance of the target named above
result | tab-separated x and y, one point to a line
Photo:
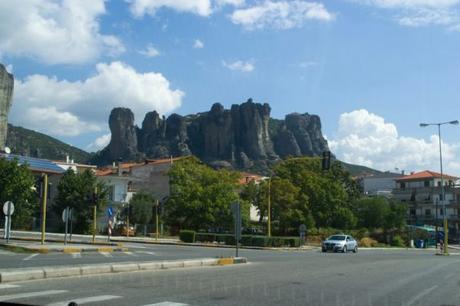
76	167
381	184
423	194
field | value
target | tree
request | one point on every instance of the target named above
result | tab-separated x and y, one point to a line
141	205
380	212
76	190
201	197
16	185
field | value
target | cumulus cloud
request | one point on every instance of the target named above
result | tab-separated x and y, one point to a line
60	107
150	51
366	139
198	44
280	14
239	66
416	13
99	143
55	31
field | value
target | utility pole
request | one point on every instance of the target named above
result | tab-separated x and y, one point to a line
44	199
156	220
269	221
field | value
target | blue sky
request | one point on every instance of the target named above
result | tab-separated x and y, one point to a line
372	69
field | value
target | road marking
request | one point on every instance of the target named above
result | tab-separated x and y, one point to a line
91	299
30	257
146	252
106	254
30	294
167	304
76	255
130	253
420	295
8	286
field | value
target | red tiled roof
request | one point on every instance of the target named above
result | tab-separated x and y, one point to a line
128	165
425	175
246	178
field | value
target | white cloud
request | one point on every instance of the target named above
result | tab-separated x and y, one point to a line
198	44
280	15
55	31
9	68
61	107
150	51
204	8
141	7
99	143
366	139
416	13
239	66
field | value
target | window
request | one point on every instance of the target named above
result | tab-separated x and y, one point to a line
403	185
412	211
427	183
439	184
427	212
441	212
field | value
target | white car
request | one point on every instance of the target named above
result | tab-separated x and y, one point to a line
342	243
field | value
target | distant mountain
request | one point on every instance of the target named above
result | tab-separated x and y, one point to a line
35	144
357	170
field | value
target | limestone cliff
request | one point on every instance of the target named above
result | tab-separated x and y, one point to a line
6	92
243	136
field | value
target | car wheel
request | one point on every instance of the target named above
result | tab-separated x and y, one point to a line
355	250
344	249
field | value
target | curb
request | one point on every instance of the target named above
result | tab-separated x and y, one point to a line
66	250
72	271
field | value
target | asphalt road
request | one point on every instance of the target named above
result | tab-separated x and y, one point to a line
371	277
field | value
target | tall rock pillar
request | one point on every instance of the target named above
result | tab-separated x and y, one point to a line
6	92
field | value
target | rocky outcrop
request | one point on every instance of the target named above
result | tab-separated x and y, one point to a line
241	137
6	92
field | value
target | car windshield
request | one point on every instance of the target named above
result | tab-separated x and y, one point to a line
336	237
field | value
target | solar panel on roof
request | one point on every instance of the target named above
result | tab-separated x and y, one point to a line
35	164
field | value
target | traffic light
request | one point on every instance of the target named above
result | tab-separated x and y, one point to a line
326	160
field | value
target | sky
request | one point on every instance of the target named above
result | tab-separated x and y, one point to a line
373	70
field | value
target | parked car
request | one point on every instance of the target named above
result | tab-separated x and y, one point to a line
342	243
121	230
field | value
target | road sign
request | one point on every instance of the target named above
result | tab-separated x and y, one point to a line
236	210
65	214
8	208
110	211
302	228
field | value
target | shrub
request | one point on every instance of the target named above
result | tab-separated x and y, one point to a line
205	237
397	241
229	239
368	242
292	242
260	241
246	240
187	236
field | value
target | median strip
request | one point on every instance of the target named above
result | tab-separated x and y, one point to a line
72	271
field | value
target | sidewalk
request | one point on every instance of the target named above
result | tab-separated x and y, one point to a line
51	247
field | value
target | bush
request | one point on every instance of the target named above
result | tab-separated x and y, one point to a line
368	242
229	239
292	242
205	237
246	240
260	241
187	236
397	241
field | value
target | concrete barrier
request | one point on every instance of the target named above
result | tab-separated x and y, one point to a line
69	271
22	275
127	267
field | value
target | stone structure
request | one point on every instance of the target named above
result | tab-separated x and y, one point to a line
6	92
243	136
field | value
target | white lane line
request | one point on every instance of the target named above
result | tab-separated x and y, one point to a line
91	299
76	255
30	294
130	253
167	304
105	254
420	295
146	252
8	286
30	257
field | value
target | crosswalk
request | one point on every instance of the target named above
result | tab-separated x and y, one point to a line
141	253
64	297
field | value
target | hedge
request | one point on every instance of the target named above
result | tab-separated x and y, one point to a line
246	240
187	236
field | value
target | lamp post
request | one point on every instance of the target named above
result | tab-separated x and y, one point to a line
455	122
269	221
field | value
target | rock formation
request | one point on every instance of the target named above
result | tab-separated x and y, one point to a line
6	92
243	137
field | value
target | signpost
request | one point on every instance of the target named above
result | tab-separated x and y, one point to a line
65	218
109	222
302	231
8	210
236	210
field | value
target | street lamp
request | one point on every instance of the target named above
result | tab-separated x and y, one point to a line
269	221
454	122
